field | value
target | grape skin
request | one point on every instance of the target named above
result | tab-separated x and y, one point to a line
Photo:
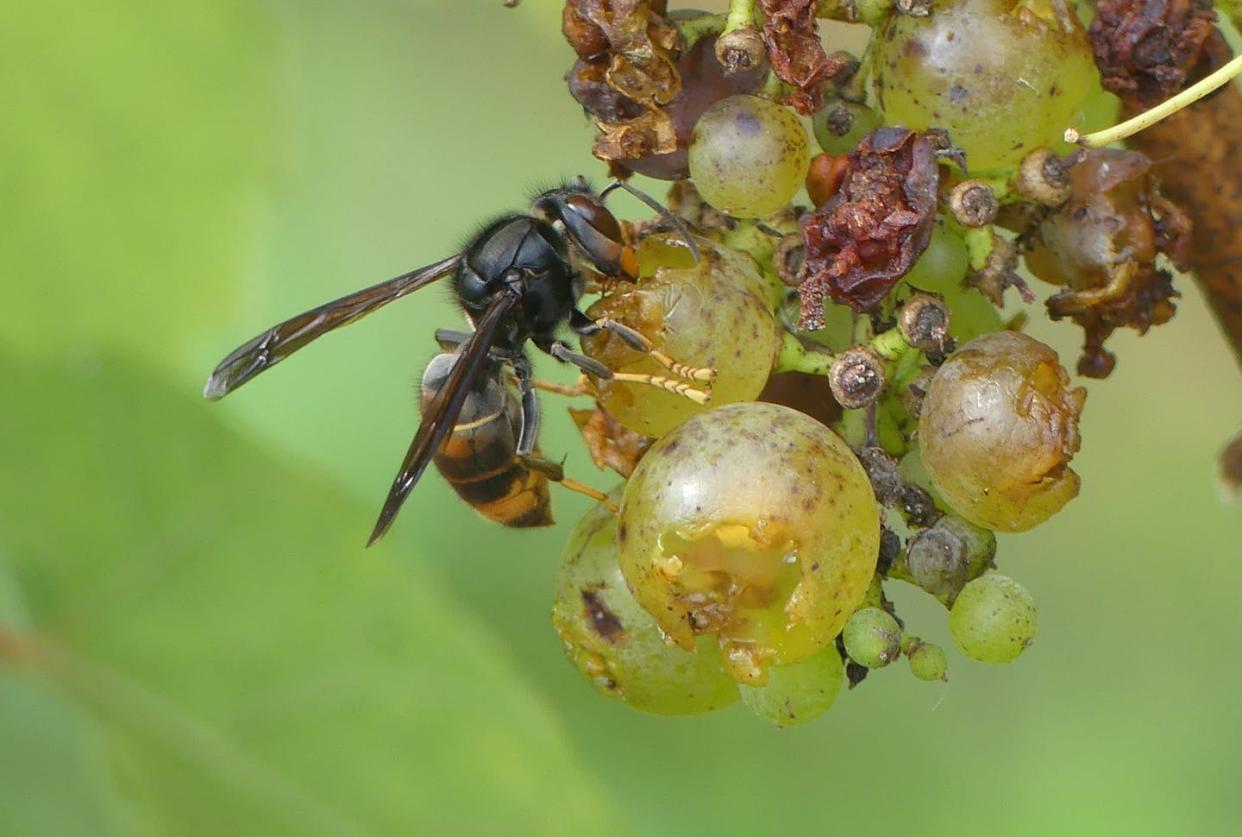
748	156
753	522
997	430
616	644
1002	80
800	692
712	314
994	619
872	637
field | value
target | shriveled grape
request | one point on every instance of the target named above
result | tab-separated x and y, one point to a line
753	523
714	313
748	156
616	644
993	619
997	430
1002	78
799	692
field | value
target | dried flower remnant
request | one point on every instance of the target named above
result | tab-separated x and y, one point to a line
870	233
1149	50
644	90
796	54
611	444
1102	246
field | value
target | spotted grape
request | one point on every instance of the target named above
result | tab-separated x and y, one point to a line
753	523
993	619
616	644
748	156
1002	398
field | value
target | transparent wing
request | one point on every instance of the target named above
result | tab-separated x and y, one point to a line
278	342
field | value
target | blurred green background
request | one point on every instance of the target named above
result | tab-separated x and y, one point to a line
192	639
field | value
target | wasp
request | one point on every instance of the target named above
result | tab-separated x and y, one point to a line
518	281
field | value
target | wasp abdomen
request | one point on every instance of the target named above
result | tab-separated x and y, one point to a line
479	457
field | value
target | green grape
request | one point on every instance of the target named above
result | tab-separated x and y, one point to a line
839	125
799	692
1002	78
756	524
872	637
993	619
997	430
928	662
942	270
616	644
714	313
748	156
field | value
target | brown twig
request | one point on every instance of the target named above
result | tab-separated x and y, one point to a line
1200	166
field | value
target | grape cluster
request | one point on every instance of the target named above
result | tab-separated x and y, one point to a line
874	417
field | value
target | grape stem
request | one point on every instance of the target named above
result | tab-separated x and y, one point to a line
742	15
697	28
1168	107
795	357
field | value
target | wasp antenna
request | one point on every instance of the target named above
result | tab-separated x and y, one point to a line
658	207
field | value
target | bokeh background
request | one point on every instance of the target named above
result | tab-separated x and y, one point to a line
192	639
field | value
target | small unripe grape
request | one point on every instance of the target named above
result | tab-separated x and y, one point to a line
840	124
713	314
872	637
940	270
997	430
616	644
1002	78
928	662
993	619
748	156
799	692
756	524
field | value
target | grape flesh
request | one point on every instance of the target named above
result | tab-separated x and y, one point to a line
753	523
714	313
616	644
993	619
748	156
799	692
997	430
1002	78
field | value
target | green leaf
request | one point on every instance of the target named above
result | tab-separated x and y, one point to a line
250	668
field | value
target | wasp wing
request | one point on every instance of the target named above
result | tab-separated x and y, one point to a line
280	341
441	414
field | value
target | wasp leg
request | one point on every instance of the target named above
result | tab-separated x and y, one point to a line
585	326
449	338
528	437
562	352
555	472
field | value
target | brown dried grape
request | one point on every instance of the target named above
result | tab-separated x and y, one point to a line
1149	50
790	30
753	523
1102	243
714	313
653	142
860	244
616	644
997	430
